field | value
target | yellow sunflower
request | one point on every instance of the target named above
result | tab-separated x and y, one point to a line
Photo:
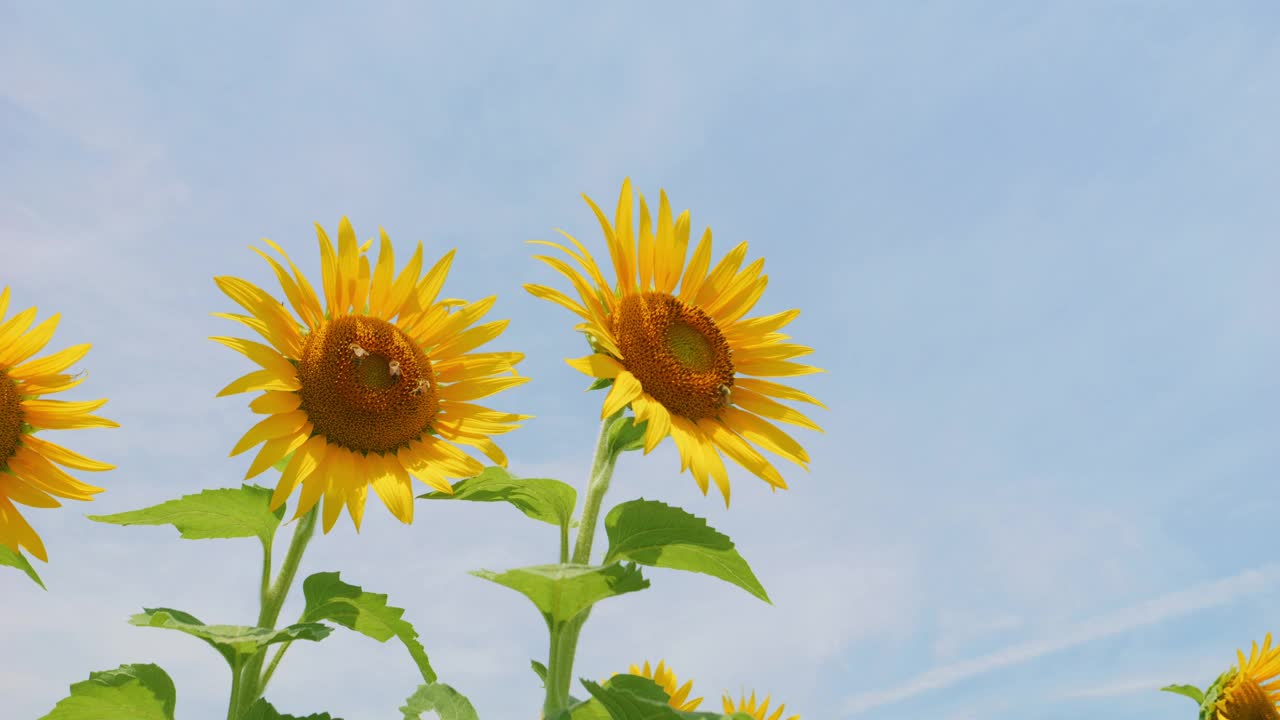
28	473
372	386
750	707
678	694
1253	691
688	362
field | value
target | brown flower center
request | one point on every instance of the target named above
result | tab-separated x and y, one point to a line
10	418
676	352
366	385
1244	699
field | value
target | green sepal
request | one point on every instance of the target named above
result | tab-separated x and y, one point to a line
129	692
217	513
262	710
1190	691
235	643
1208	706
659	535
438	698
631	697
626	435
550	501
18	560
540	670
329	598
562	592
600	384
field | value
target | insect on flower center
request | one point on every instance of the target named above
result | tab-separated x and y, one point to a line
366	385
10	418
677	353
1244	699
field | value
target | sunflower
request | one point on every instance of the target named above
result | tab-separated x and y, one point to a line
1252	691
751	708
678	694
687	362
373	386
28	473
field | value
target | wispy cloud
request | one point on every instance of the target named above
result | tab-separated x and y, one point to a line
1160	609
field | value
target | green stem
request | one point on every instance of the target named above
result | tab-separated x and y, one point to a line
564	639
271	669
272	602
232	707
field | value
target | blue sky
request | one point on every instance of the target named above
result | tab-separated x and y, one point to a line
1034	246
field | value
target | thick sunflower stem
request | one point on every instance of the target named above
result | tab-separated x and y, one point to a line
252	683
564	639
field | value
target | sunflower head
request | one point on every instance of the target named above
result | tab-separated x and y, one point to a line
370	386
29	466
1252	690
678	695
672	338
759	711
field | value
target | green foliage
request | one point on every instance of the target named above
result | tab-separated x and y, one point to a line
18	560
541	670
329	598
600	384
444	701
262	710
631	697
562	592
550	501
656	534
219	513
129	692
1190	691
235	643
1208	705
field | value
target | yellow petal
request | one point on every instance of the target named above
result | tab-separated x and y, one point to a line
696	273
340	466
453	323
645	253
480	388
314	312
741	452
4	301
279	324
393	486
757	430
264	356
615	253
402	289
773	368
48	384
683	431
358	489
303	463
50	364
477	365
625	389
276	402
658	418
63	456
16	534
20	492
59	415
260	380
269	428
761	405
772	351
429	289
13	328
306	311
759	325
411	459
547	293
469	339
286	344
44	475
597	365
773	389
275	450
33	342
380	285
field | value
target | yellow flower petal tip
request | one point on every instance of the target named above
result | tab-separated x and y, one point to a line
31	467
368	382
672	330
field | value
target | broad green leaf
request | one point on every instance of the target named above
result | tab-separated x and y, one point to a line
541	670
130	692
1190	691
550	501
220	513
630	697
262	710
561	592
444	701
656	534
234	642
18	560
328	598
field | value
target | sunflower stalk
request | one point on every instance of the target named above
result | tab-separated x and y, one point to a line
252	682
564	639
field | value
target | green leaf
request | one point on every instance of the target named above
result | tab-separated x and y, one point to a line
550	501
18	560
631	697
234	642
220	513
444	701
656	534
329	598
561	592
600	384
1190	691
1208	705
541	670
130	692
262	710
